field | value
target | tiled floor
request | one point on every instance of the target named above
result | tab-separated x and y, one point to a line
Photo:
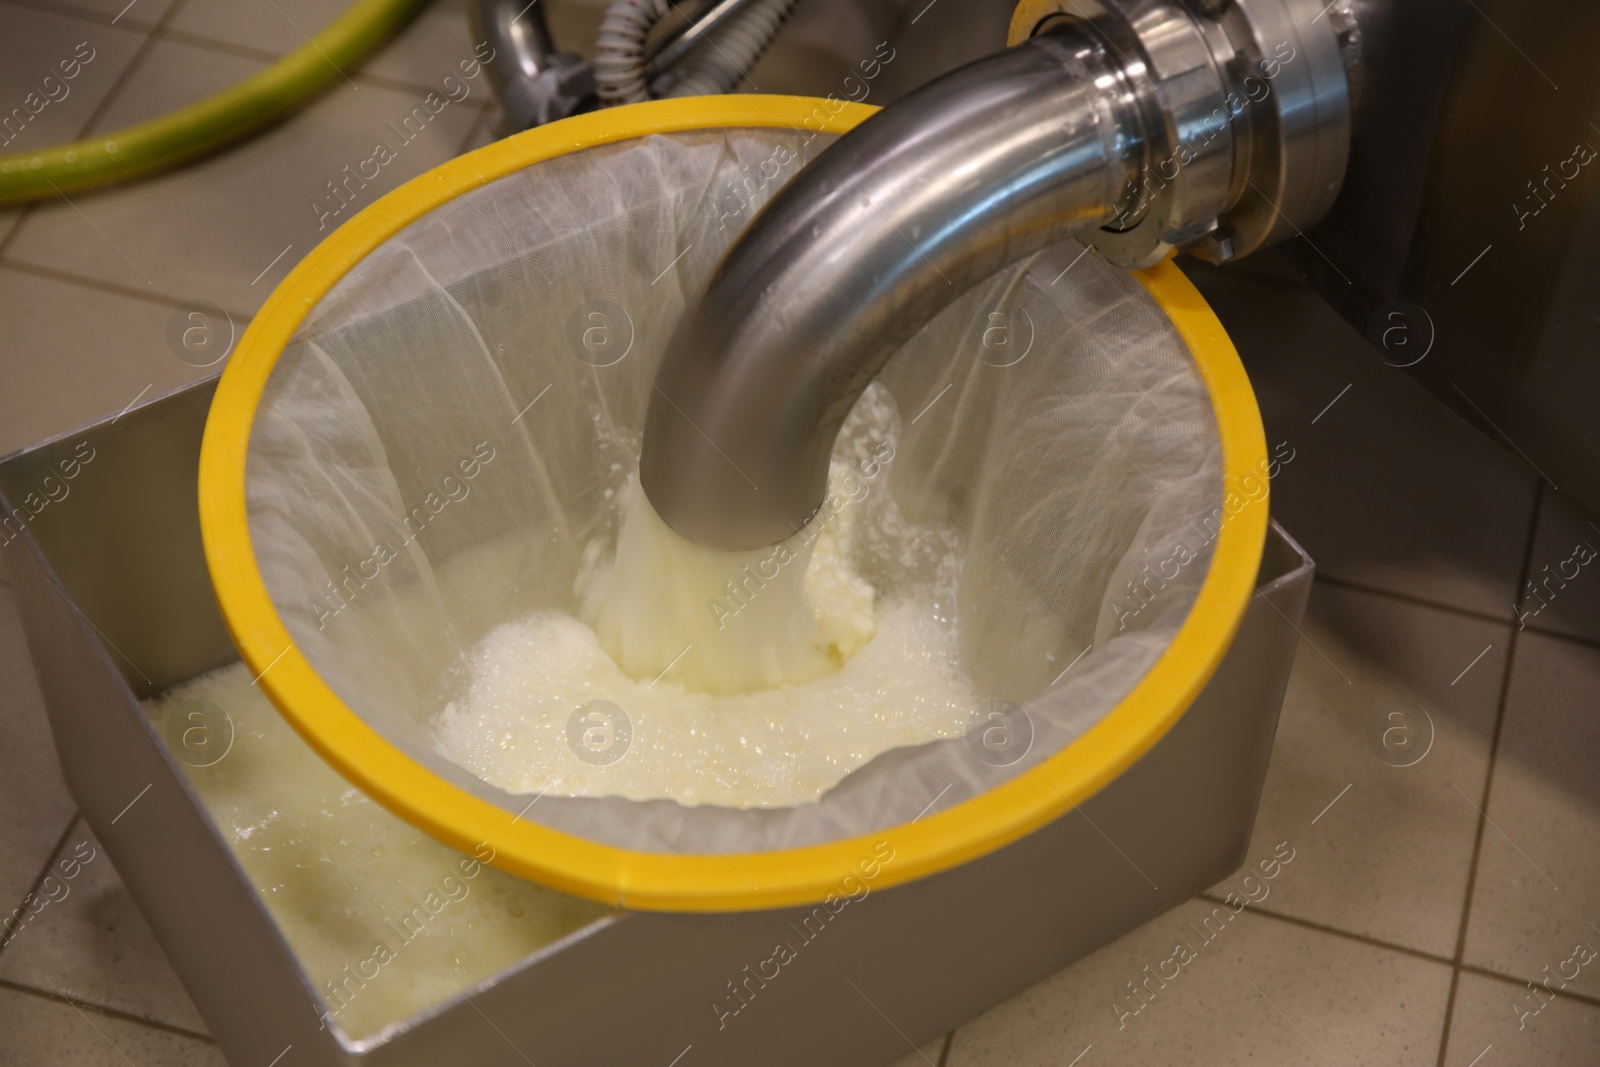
1422	899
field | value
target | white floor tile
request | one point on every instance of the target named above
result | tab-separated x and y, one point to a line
35	1030
1537	893
1261	991
431	48
127	14
71	354
213	230
279	27
1390	858
93	944
482	133
37	112
35	45
171	76
1493	1025
421	54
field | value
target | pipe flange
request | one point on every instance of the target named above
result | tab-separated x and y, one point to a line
535	83
1189	156
1289	63
562	87
1247	119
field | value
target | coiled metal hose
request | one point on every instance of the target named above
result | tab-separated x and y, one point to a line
619	54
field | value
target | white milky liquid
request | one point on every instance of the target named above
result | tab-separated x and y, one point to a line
742	679
382	917
729	622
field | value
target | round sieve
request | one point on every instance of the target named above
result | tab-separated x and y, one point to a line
553	840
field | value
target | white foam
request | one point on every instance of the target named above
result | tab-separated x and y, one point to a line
741	679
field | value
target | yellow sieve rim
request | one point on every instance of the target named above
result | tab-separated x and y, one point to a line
710	882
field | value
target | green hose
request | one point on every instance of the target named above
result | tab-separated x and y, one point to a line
212	123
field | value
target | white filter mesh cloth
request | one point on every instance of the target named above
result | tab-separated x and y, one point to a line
1074	451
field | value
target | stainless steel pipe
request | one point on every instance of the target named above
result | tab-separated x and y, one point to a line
1138	116
883	229
536	83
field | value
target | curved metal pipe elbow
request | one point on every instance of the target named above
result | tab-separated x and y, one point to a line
536	83
1123	120
853	256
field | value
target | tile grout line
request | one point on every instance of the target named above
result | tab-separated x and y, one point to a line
216	44
22	266
82	14
1324	928
1521	983
101	1009
44	872
244	51
1389	946
24	210
151	33
472	130
1488	786
1417	601
151	37
1573	639
161	30
1467	613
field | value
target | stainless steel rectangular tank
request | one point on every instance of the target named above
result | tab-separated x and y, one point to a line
111	574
